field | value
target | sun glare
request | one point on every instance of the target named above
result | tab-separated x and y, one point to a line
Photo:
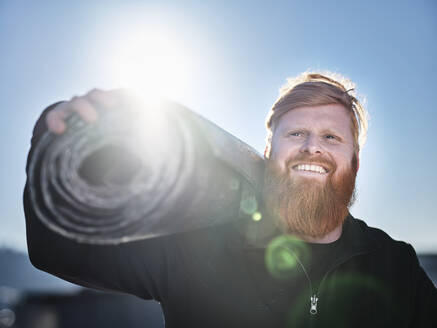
151	62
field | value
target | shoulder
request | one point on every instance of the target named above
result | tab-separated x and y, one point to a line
382	253
381	239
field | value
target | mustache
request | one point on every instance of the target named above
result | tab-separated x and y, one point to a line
315	159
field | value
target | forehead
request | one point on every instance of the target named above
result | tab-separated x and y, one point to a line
332	117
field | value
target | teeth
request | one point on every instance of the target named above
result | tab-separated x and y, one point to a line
312	168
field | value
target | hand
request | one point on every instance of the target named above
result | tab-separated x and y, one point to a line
84	105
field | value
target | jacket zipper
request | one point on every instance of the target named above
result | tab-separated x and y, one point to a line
314	298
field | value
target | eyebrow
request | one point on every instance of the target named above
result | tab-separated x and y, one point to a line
286	130
333	131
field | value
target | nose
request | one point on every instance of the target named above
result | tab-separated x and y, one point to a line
311	146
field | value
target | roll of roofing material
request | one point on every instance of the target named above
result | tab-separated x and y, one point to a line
141	172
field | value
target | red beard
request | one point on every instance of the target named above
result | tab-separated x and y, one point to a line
306	207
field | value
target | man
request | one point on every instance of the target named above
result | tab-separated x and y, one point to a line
306	263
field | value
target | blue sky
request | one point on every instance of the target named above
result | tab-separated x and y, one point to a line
226	60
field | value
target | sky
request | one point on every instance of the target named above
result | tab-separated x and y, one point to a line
226	60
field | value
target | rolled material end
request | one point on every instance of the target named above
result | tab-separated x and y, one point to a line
138	173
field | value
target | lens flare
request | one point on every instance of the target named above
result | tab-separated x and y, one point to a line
257	216
281	256
249	205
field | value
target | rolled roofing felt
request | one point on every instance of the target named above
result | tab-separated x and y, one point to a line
141	172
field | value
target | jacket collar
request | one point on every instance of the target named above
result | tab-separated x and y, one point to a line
356	236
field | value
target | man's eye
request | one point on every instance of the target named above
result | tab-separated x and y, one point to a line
295	134
330	136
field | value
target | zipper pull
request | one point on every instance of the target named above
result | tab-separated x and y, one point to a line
313	309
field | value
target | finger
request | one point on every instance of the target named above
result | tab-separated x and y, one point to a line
84	108
113	98
109	99
55	121
101	98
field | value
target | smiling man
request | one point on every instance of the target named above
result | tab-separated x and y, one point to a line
306	263
315	131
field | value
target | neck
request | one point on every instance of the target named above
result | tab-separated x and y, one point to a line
326	239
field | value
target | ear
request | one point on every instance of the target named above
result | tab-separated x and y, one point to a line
265	152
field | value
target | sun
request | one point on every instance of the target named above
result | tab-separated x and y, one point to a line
152	62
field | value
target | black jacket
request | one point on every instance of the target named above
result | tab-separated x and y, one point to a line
218	277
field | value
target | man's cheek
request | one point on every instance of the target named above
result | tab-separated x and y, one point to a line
279	164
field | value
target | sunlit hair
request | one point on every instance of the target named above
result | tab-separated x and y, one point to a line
316	89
